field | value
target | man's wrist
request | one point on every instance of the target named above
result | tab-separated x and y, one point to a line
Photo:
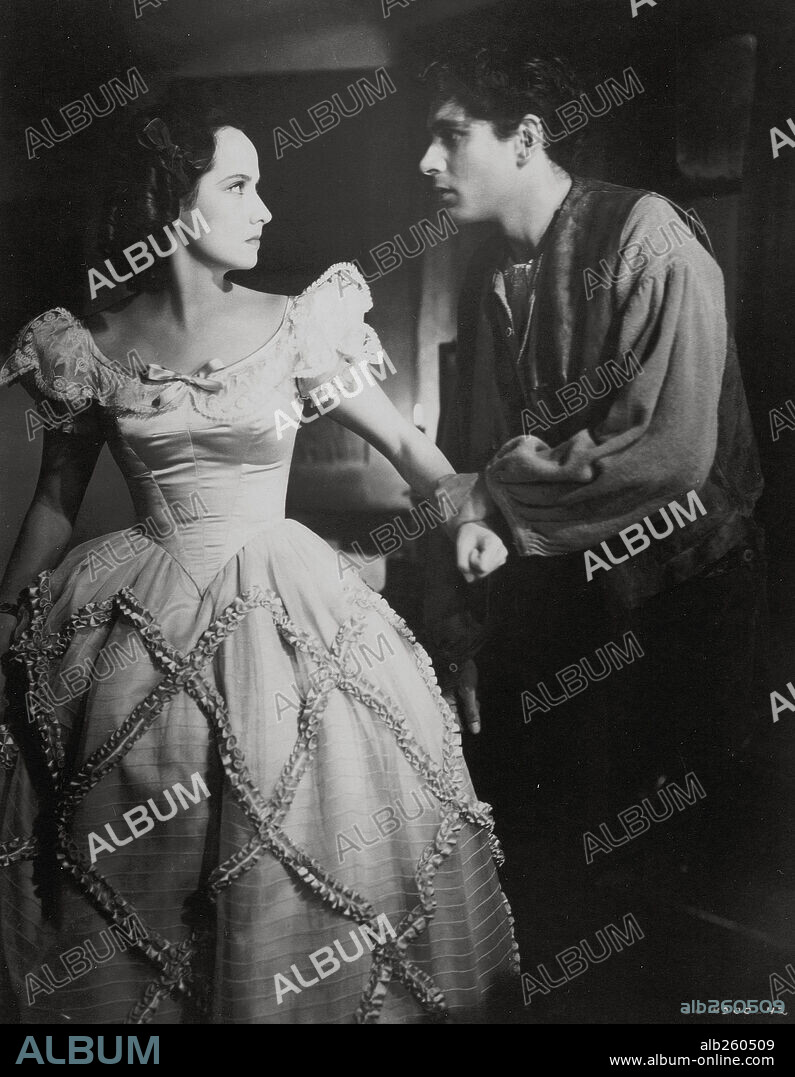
480	504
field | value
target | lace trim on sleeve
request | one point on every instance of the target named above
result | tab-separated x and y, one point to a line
330	335
51	359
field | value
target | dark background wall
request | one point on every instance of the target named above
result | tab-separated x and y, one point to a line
717	75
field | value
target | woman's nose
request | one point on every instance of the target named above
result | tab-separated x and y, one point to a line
262	213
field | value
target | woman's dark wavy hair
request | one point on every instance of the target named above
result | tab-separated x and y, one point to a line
502	85
154	171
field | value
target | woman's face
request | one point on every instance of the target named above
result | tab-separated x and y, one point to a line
227	199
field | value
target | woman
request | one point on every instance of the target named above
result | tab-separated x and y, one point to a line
179	843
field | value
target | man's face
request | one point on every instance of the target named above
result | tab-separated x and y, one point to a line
474	171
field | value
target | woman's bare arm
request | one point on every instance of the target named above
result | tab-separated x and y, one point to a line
67	464
373	416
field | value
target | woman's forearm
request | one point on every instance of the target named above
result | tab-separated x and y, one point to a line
372	416
41	543
420	462
429	473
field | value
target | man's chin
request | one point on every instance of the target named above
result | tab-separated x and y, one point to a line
457	213
462	214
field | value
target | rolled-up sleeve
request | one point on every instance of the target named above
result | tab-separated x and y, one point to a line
659	435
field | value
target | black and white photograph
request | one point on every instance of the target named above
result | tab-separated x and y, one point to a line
397	486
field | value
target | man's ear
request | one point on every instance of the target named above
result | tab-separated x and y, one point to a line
530	136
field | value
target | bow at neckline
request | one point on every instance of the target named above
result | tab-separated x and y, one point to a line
156	373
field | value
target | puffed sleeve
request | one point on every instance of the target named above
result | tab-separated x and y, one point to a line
329	331
50	358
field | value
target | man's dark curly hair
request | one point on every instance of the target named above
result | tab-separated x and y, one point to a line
502	85
154	173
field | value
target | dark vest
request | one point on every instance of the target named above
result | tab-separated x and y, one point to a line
572	336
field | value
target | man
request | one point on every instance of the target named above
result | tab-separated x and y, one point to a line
597	388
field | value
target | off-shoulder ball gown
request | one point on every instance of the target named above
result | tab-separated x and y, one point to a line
234	793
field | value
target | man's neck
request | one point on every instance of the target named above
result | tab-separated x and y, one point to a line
525	223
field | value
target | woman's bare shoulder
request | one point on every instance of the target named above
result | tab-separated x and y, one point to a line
112	323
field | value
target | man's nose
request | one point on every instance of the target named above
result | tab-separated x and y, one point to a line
433	162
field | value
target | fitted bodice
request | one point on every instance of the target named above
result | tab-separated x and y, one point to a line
205	456
200	487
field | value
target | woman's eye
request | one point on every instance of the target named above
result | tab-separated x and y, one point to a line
236	186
